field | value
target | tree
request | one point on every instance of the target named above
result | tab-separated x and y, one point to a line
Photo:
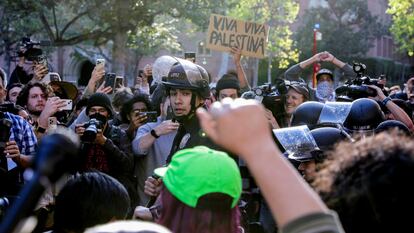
279	15
71	22
14	24
402	27
347	29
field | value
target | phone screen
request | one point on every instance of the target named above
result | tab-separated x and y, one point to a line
119	81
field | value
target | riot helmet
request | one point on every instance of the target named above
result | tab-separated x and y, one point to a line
392	124
325	138
365	115
307	114
188	76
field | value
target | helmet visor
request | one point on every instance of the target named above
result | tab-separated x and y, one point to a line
334	112
297	141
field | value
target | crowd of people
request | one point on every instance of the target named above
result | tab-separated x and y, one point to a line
195	157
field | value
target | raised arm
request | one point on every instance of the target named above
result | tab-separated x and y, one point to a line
241	75
288	195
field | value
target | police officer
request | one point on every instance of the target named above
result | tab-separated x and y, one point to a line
187	86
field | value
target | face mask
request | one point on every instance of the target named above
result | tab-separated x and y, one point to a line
99	117
324	89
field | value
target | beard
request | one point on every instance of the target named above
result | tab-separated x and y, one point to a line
35	113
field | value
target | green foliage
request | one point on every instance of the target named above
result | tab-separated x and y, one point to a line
402	27
124	22
149	39
347	29
278	14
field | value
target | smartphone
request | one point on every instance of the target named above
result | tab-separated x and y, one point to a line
68	105
119	81
110	80
100	62
52	122
41	60
54	77
191	56
151	116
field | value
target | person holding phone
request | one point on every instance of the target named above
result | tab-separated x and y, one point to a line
152	144
132	114
35	99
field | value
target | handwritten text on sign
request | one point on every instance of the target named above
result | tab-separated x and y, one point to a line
225	32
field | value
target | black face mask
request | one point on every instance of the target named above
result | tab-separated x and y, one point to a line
99	117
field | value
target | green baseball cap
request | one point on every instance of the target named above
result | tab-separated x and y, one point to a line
198	171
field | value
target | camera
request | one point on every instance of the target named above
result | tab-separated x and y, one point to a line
32	50
269	94
91	129
9	107
357	88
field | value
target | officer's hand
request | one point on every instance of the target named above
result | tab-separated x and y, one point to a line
152	186
232	123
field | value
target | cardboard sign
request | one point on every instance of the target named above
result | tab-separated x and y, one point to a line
225	33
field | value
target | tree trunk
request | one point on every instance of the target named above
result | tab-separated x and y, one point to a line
119	53
60	60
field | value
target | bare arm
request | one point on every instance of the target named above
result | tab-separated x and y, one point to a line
144	139
241	75
399	113
288	195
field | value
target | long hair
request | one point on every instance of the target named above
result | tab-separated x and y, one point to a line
180	218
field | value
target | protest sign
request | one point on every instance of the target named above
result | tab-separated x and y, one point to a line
225	32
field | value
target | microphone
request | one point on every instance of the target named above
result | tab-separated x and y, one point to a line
56	155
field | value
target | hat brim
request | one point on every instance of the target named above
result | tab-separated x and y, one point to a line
160	171
70	89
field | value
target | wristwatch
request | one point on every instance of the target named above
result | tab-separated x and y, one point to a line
40	129
154	134
385	101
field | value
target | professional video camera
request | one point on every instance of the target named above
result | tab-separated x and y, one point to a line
91	129
357	88
31	50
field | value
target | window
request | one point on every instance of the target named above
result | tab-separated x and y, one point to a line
202	50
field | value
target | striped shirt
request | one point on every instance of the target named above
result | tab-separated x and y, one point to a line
22	132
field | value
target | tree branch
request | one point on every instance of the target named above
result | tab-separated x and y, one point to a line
73	21
47	26
77	39
54	21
